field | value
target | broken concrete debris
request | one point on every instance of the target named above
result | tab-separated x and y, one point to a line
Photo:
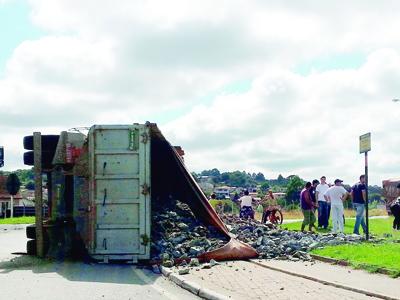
271	242
178	235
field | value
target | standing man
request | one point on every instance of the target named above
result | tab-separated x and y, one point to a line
336	195
358	193
307	207
246	209
395	209
323	205
313	194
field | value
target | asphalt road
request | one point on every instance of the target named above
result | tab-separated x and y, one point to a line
25	277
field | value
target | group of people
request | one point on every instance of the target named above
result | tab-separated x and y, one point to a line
328	200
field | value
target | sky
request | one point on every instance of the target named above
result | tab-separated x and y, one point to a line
278	87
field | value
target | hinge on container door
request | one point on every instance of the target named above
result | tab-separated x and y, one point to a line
145	189
145	137
145	239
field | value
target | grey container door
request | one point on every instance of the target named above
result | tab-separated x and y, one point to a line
121	176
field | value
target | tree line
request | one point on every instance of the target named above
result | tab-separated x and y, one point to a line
291	185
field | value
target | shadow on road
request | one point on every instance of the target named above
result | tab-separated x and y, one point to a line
78	271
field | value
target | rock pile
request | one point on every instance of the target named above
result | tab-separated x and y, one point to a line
271	242
177	234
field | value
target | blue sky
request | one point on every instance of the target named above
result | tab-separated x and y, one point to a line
277	87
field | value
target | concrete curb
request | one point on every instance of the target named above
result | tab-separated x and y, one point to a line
341	286
191	286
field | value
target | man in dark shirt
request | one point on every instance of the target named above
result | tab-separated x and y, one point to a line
395	209
358	194
307	207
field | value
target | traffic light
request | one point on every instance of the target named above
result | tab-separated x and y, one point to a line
1	156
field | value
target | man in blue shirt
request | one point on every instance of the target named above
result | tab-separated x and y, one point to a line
358	194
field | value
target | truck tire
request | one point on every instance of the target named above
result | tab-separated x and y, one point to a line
31	232
47	158
49	142
31	247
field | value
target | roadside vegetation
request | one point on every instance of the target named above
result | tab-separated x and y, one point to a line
368	256
19	220
373	256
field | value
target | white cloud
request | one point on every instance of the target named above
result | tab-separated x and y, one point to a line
300	125
108	62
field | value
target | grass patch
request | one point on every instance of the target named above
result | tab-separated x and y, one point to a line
225	206
367	256
348	213
378	227
19	220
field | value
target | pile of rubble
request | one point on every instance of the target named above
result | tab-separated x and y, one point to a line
271	242
177	234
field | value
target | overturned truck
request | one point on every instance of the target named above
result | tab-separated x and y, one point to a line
101	188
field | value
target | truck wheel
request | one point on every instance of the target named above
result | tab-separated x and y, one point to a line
47	158
49	142
31	232
31	247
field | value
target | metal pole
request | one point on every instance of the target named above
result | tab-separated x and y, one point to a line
366	196
12	207
37	152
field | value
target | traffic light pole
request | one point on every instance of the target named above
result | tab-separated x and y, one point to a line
37	154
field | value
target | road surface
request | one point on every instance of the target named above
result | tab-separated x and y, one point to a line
25	277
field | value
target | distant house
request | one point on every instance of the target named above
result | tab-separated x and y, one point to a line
279	195
222	192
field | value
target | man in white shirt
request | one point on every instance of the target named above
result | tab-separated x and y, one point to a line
246	209
336	195
323	206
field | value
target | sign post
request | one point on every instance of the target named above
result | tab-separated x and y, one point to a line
13	184
365	146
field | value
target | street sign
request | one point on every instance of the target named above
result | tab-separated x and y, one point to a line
13	184
1	156
365	142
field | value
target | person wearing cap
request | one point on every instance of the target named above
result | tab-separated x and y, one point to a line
336	194
307	207
358	194
323	205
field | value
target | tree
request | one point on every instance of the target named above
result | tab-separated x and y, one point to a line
30	186
294	187
259	177
264	187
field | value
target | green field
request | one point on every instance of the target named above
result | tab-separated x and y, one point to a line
20	220
367	256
